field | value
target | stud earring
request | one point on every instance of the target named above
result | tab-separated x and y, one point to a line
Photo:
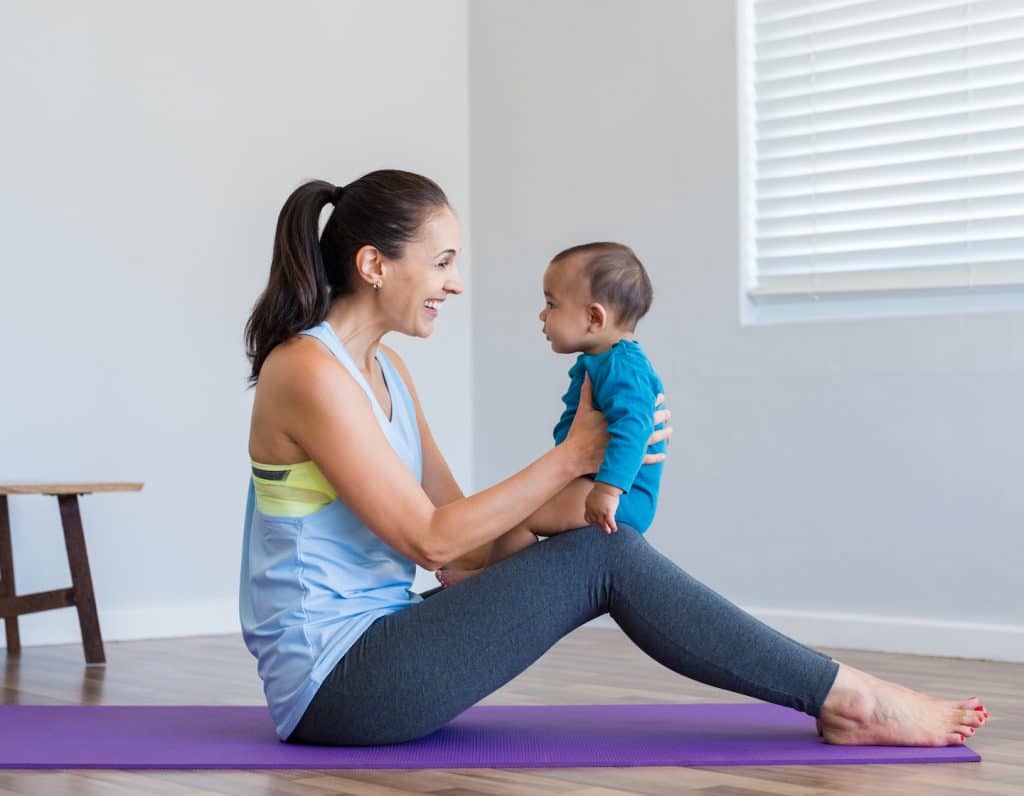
378	284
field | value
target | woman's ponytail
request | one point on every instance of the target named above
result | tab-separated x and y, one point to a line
298	294
383	209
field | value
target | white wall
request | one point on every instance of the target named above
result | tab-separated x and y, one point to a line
854	482
147	148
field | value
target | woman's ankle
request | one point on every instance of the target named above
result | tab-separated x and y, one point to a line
852	696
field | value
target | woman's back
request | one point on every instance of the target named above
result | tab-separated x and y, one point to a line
314	577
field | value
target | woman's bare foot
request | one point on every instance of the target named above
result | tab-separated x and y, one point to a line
449	577
864	710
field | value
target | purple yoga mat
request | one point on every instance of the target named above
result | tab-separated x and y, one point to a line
44	736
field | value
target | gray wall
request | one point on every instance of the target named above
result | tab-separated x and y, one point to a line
852	481
855	482
147	150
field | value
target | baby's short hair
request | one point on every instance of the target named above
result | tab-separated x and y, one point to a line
616	277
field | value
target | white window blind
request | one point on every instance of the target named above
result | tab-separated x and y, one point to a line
886	145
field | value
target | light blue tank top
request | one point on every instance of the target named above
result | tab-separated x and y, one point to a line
312	583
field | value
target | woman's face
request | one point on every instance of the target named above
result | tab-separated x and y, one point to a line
415	286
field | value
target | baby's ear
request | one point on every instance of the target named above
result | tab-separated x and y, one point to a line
597	317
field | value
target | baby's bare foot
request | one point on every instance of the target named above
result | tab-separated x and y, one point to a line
449	577
863	710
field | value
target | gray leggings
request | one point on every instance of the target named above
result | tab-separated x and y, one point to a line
413	671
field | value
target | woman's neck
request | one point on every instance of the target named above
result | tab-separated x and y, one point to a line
358	326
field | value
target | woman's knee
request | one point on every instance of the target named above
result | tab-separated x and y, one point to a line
626	543
625	537
613	545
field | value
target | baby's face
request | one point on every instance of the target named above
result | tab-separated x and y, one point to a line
565	307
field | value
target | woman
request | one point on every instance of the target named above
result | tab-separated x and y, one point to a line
349	492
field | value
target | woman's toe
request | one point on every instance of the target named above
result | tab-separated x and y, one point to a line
970	718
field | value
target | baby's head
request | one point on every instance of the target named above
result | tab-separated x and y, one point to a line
594	295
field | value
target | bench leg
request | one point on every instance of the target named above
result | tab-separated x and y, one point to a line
7	576
81	578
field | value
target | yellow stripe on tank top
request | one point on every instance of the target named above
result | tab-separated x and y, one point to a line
292	490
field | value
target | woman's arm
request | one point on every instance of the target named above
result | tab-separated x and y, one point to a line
438	481
316	403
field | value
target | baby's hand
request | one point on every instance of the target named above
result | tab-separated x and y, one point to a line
601	505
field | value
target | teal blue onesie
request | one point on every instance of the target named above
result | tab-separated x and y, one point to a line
625	387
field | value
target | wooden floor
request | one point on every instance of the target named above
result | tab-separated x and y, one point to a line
591	665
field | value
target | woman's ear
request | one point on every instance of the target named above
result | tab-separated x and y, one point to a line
597	317
370	264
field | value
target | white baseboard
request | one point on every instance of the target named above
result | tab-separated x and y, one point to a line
996	642
910	635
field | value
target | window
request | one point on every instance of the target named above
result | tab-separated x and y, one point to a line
883	152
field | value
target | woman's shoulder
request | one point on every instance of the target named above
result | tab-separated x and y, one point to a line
302	373
298	357
289	371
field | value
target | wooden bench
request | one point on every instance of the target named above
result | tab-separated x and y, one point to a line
80	595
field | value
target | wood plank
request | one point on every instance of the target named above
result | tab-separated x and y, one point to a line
82	488
33	603
81	578
7	588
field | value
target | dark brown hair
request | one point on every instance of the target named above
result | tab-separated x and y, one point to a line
383	209
617	279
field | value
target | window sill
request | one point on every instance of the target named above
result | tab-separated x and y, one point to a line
766	308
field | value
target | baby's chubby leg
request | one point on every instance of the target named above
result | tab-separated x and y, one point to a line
510	543
563	512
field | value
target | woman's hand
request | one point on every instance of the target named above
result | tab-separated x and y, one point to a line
660	416
588	434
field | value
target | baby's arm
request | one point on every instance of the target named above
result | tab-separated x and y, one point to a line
623	393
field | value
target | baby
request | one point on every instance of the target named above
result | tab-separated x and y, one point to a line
594	295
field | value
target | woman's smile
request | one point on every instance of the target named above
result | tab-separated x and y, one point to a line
431	306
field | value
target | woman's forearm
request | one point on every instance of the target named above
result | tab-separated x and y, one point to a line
469	524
